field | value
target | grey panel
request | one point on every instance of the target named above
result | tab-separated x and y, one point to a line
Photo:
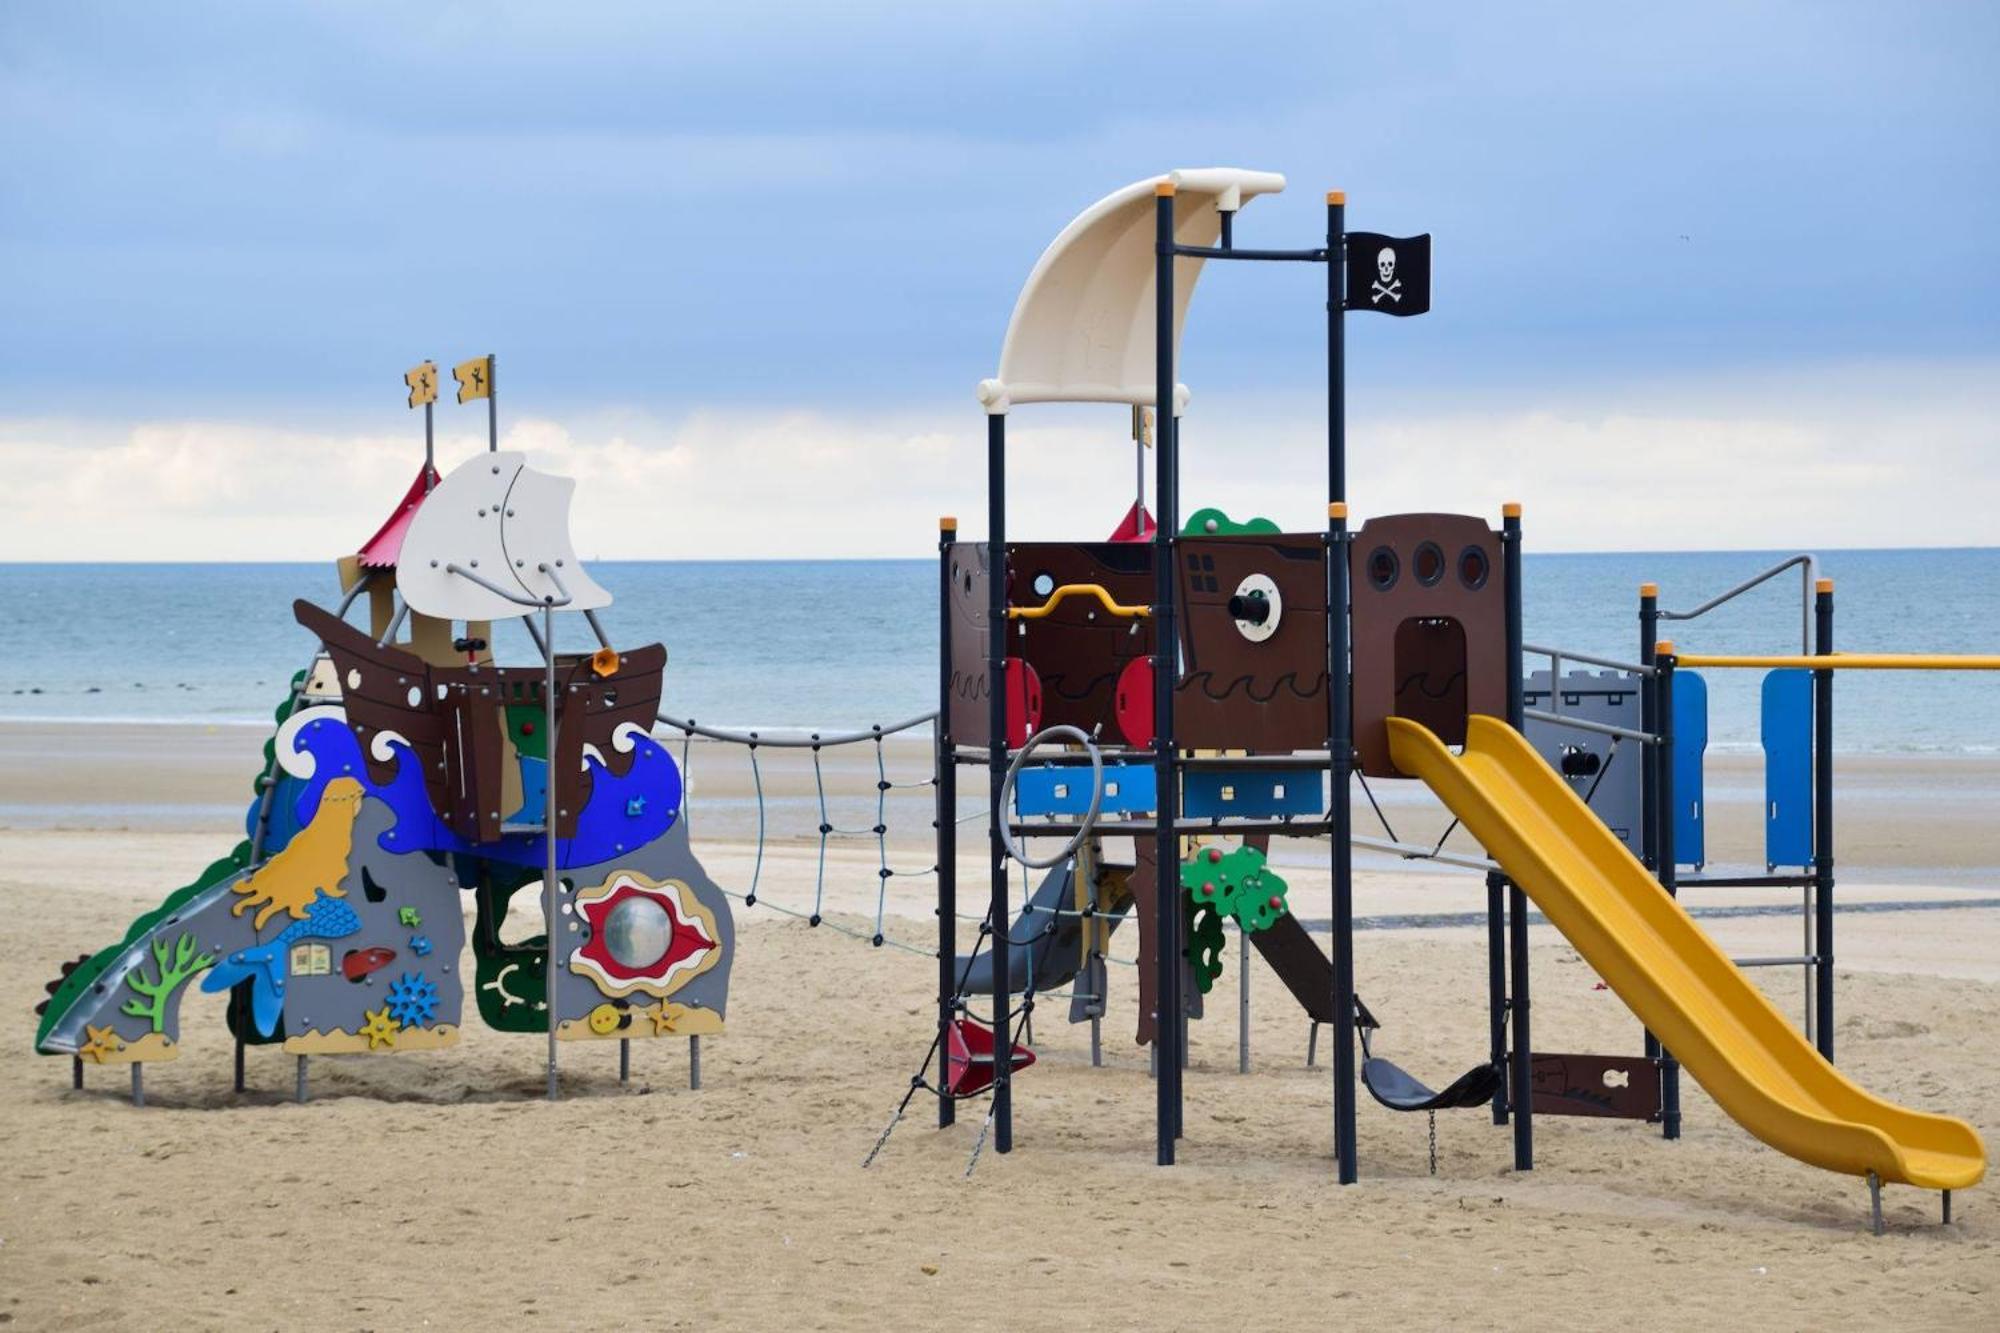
1602	769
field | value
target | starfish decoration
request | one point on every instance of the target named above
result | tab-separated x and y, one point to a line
380	1029
664	1017
103	1043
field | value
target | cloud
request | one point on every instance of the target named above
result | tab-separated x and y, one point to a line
1837	457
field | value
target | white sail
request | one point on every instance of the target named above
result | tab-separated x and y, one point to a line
497	521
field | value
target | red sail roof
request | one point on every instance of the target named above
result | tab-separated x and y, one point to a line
381	550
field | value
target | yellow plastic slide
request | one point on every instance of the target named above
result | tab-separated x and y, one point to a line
1682	987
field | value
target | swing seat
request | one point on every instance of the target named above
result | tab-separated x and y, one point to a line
968	1058
1394	1087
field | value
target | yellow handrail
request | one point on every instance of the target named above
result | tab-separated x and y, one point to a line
1096	590
1853	661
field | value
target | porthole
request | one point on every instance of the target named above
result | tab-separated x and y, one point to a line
1474	567
1383	567
1428	564
1045	583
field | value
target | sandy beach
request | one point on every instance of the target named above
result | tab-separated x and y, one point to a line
441	1190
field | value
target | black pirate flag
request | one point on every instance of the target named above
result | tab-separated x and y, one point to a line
1390	274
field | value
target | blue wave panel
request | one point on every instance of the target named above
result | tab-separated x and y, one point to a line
1064	789
1690	744
1248	793
1788	736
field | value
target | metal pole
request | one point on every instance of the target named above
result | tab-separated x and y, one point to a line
430	449
1243	1002
299	1081
549	798
1668	868
1650	756
694	1062
1340	734
624	1059
138	1083
493	417
76	1072
1166	843
1522	1093
1823	816
944	767
996	767
239	1064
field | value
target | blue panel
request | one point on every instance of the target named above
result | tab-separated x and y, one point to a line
1064	789
1690	742
1251	793
1788	737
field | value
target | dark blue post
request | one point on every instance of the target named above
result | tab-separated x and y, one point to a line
1668	868
1340	742
1166	844
1823	821
1651	756
945	771
996	764
1522	1092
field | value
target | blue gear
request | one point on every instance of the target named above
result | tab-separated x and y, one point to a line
413	1000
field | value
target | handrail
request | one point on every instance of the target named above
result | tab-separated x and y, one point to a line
1561	655
1068	590
814	742
1849	661
1806	559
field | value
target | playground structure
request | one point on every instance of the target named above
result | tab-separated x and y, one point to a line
1227	683
1214	684
405	771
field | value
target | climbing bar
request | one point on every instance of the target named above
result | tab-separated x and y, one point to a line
1068	590
1850	661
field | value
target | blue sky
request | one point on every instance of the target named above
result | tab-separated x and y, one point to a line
690	233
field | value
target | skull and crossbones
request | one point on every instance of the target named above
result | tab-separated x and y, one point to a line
1390	285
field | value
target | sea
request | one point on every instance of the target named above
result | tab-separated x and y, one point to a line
801	645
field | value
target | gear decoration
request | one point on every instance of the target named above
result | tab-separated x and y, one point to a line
1235	884
420	945
380	1029
413	1000
644	935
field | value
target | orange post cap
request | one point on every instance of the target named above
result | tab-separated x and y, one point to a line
1336	196
1665	648
1512	509
1164	189
1649	590
948	523
1823	585
1338	509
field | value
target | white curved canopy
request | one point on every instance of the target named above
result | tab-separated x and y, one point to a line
501	520
1082	330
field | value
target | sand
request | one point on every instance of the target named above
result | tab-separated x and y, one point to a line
441	1190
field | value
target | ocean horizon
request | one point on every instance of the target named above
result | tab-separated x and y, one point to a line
790	646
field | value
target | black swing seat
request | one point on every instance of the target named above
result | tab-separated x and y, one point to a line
1394	1087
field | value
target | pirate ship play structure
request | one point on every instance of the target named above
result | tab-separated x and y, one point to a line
1218	684
406	771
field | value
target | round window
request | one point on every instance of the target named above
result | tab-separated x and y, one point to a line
1428	564
637	932
1383	567
1045	583
1473	567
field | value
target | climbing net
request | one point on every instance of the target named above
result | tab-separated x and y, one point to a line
754	744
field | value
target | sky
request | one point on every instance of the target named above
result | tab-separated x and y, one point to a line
1705	275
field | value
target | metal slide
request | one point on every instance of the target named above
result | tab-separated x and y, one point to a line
1646	948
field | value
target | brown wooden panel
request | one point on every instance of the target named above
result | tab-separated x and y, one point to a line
1407	635
1079	648
1618	1087
1238	692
